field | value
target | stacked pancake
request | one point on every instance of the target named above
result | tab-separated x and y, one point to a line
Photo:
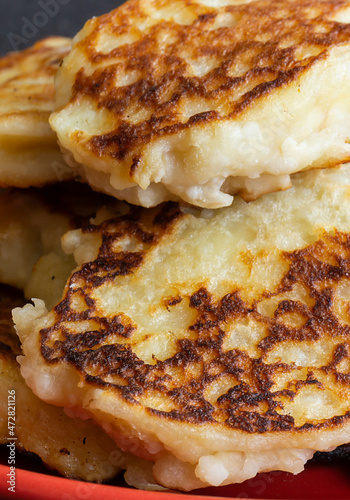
29	153
207	336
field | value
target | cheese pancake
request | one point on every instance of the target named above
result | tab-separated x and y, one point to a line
32	222
214	343
30	231
74	448
29	154
197	100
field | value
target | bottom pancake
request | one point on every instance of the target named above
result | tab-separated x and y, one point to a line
213	343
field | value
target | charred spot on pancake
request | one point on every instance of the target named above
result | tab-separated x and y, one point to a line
171	301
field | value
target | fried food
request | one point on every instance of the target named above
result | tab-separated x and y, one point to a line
73	447
197	100
29	231
32	222
29	153
214	343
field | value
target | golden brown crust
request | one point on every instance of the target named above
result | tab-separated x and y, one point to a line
251	403
251	50
29	153
43	49
27	77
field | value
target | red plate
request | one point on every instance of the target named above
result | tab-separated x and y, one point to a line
327	481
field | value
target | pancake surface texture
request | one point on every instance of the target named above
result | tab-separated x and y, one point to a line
32	259
29	154
214	343
74	448
198	100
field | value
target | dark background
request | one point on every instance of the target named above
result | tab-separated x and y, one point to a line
22	22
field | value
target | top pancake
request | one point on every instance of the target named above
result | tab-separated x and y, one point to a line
29	154
198	100
213	342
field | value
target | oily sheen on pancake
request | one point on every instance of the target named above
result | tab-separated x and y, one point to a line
214	343
29	154
198	100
